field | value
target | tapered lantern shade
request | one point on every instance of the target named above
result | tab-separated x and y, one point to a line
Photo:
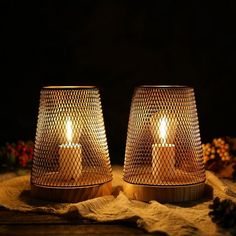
163	159
71	160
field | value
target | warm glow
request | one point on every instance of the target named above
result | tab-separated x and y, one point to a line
163	128
69	132
163	124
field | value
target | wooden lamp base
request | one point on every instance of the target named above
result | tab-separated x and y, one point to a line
71	194
164	194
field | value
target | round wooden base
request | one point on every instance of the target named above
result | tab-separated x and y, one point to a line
164	194
75	194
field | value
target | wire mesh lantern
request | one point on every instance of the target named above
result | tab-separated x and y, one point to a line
163	158
71	160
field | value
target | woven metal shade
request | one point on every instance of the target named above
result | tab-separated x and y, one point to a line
71	150
163	149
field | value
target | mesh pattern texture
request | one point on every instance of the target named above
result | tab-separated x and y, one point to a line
163	144
70	147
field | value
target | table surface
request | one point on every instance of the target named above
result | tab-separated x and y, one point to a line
18	223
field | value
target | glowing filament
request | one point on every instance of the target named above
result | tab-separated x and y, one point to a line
69	130
163	126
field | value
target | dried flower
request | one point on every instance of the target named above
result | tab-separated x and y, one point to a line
217	155
16	155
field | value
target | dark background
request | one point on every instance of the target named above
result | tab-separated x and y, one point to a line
117	45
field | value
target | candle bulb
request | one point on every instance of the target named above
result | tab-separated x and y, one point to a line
70	155
163	149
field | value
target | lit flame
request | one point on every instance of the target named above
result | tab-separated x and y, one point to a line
163	129
69	133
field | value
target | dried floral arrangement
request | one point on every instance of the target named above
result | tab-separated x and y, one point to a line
15	156
220	157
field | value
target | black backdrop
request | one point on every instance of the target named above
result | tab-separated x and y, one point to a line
117	45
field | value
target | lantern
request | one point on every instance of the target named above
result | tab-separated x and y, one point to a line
163	158
71	159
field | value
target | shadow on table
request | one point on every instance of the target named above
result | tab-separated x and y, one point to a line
27	198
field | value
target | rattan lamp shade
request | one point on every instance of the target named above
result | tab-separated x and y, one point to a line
163	159
71	161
